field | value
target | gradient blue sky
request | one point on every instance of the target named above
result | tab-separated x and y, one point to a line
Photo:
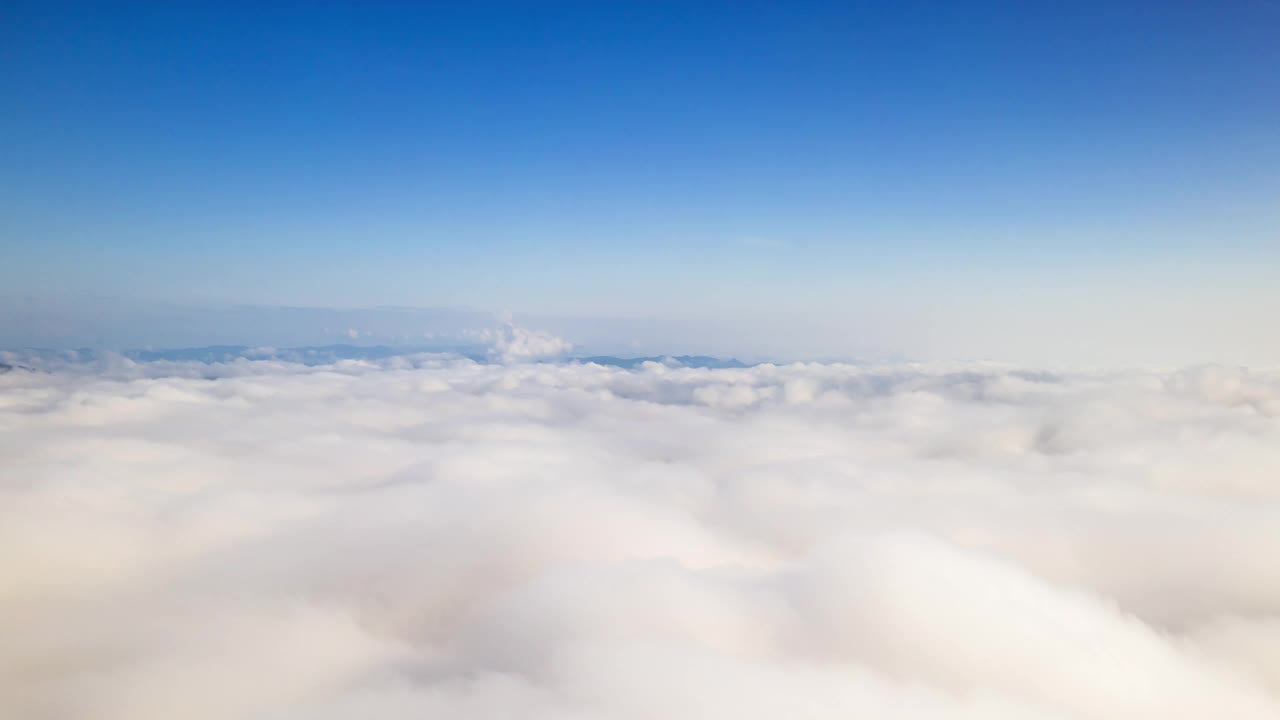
869	177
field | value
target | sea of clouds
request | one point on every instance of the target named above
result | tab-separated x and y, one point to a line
431	537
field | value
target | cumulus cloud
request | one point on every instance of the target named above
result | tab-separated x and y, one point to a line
427	536
511	343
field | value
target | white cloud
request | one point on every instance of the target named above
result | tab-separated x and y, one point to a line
430	537
511	343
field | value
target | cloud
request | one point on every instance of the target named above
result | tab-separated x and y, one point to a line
511	343
425	536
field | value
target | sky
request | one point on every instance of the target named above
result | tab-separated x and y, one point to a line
1033	182
1001	280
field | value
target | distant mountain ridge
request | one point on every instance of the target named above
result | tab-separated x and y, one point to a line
691	361
328	354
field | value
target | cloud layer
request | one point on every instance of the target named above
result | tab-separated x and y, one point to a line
431	537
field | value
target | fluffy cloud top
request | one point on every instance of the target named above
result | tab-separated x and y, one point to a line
430	537
512	343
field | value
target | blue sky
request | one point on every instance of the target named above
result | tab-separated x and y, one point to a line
878	170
